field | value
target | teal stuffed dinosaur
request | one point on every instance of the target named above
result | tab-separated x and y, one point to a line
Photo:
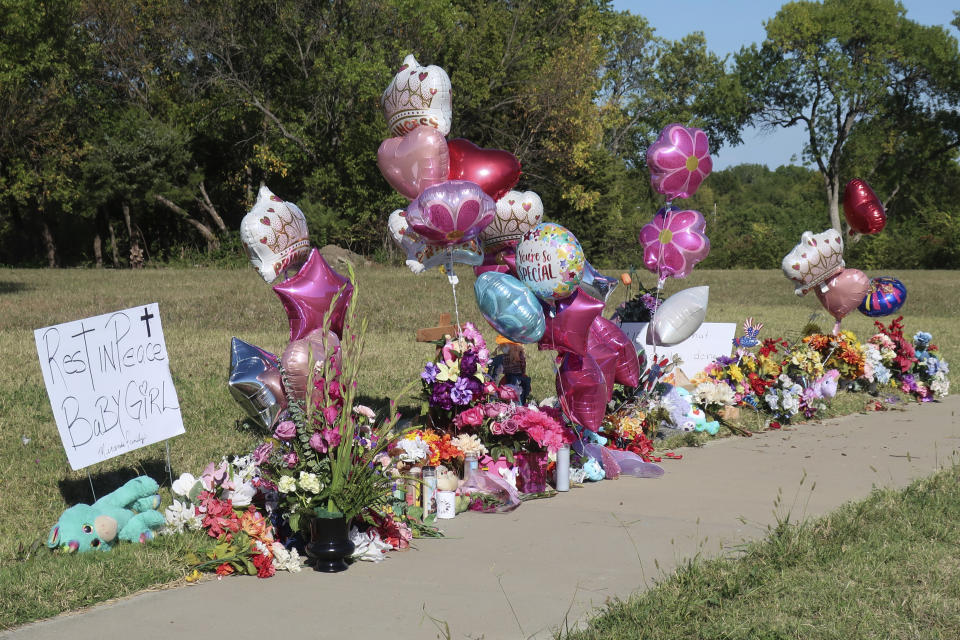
129	513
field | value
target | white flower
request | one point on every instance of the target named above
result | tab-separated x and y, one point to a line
245	468
369	545
414	450
287	484
242	495
309	482
182	485
181	516
284	560
469	443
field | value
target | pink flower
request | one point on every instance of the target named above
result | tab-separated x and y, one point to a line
673	242
364	411
510	425
493	409
472	417
509	394
291	459
496	428
285	430
679	161
317	443
262	453
451	212
330	414
332	436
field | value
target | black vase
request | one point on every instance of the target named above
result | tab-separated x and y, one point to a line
329	545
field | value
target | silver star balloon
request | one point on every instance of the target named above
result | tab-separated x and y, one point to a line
255	382
596	284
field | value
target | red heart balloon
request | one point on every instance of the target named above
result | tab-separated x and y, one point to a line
862	208
494	170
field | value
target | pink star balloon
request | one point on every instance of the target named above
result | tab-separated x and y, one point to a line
679	161
569	326
673	242
605	332
582	390
307	297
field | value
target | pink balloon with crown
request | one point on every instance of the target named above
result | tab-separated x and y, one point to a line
679	161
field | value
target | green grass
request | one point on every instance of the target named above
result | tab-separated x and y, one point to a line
885	567
201	309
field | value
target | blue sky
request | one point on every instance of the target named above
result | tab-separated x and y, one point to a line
731	24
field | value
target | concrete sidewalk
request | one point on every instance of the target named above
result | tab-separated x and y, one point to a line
552	560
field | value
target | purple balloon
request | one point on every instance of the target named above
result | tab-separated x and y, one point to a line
568	327
582	390
451	212
307	296
673	242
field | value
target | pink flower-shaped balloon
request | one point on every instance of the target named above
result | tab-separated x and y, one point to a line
679	161
673	242
451	212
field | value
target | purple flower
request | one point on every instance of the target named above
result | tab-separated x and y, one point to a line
291	459
461	393
468	363
429	374
285	430
317	442
440	396
262	453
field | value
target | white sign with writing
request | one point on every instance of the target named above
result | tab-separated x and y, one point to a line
712	340
108	378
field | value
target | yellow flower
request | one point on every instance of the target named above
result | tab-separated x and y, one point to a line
193	576
735	373
448	372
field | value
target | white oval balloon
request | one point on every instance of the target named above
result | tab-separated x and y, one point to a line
678	317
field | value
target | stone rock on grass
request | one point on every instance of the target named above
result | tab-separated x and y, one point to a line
334	254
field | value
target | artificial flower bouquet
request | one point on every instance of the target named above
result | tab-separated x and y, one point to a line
220	503
456	379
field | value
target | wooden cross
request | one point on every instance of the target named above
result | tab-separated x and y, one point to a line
432	334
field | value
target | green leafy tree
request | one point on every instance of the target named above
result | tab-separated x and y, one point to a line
837	67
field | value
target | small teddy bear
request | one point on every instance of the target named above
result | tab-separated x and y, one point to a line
129	513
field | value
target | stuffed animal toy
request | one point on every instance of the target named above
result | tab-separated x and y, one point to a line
696	419
129	513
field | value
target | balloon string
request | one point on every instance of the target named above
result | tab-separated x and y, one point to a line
651	326
452	277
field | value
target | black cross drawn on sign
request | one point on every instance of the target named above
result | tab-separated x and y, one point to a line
146	319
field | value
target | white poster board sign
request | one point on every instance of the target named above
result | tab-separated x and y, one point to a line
712	340
108	378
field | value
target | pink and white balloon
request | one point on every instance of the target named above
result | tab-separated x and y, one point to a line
679	161
451	212
275	236
674	241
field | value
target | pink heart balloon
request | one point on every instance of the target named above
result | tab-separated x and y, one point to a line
845	291
414	162
679	161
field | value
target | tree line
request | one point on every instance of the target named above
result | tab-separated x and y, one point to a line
141	131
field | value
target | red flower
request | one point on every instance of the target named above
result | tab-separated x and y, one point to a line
225	569
264	565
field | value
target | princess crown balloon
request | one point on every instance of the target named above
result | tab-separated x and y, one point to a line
517	213
814	261
417	96
274	234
